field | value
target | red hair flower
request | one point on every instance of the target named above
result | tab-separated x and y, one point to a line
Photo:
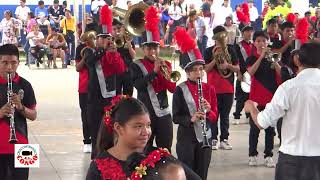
149	162
107	118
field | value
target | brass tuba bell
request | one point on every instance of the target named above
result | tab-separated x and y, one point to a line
134	18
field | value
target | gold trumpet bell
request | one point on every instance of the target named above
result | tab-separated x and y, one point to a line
175	76
134	18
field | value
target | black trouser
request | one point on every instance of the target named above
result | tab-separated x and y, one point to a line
7	170
95	116
241	98
71	48
279	125
195	157
254	136
224	107
162	131
297	167
83	100
124	84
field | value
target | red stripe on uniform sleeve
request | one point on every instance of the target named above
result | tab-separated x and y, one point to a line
33	106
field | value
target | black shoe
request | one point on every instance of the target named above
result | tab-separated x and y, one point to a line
236	116
38	64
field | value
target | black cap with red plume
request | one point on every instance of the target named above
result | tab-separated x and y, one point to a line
152	26
190	54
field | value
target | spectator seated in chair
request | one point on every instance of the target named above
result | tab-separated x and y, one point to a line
37	46
57	45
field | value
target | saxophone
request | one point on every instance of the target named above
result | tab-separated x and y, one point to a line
221	54
205	142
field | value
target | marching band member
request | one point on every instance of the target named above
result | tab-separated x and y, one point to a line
243	50
265	78
127	52
24	102
272	30
284	46
221	63
87	41
102	67
152	84
124	130
186	108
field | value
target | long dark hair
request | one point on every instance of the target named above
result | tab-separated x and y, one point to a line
121	113
160	168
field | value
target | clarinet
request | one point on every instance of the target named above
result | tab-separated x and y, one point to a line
205	142
13	137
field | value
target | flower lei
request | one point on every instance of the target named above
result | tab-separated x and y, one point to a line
149	162
110	169
107	118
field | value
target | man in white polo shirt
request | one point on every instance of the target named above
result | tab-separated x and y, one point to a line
22	14
297	101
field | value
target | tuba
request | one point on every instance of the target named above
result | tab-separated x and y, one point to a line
134	18
221	54
89	38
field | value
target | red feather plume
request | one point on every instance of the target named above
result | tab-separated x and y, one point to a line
302	30
183	39
152	22
243	15
106	17
291	18
245	10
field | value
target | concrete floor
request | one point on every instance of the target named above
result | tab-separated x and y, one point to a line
58	130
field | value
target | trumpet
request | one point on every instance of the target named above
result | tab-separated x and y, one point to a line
12	137
88	37
205	141
273	57
164	69
119	41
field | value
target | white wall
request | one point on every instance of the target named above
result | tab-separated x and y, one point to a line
300	6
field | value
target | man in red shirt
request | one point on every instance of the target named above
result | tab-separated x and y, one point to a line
265	78
223	86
